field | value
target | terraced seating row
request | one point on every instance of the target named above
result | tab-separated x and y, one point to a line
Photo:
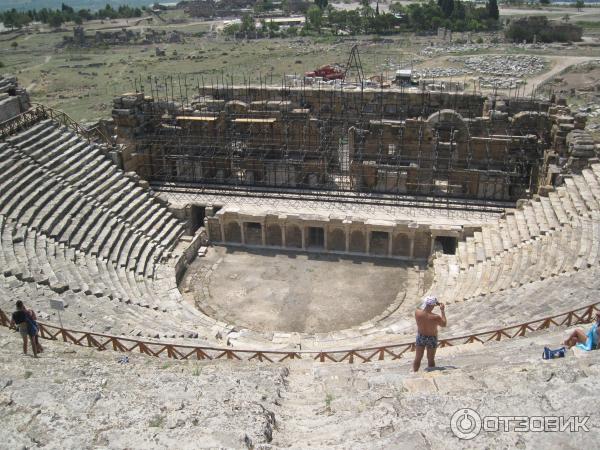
31	256
565	250
69	189
106	314
545	237
72	223
577	199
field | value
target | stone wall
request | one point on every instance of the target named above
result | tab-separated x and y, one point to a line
14	100
401	239
122	37
392	104
388	142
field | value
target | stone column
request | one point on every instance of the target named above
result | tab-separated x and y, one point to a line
368	234
242	232
325	231
390	239
283	234
303	233
432	243
347	239
412	228
222	229
263	233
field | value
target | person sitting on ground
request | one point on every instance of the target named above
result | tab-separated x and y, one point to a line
22	320
427	331
585	341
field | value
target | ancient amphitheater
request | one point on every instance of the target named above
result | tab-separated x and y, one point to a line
240	268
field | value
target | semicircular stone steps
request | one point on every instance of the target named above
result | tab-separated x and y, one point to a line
544	237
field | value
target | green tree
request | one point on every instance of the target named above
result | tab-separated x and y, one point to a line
314	17
321	3
366	11
579	4
273	28
493	11
447	6
14	19
544	2
353	22
232	29
248	24
459	13
397	8
55	20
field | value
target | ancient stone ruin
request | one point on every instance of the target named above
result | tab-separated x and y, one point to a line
13	99
445	145
122	37
135	230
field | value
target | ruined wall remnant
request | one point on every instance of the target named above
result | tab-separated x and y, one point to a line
122	37
366	140
14	100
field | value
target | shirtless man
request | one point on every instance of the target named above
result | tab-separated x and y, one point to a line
427	331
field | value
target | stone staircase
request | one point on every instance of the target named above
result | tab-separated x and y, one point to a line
543	238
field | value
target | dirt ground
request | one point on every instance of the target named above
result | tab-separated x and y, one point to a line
266	290
83	81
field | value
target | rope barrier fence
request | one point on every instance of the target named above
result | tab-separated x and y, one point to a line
39	112
386	352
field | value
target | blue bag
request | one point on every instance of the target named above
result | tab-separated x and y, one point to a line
552	354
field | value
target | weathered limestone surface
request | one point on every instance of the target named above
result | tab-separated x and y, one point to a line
74	397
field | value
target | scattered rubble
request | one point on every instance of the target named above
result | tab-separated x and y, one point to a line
508	71
500	83
437	72
435	50
500	65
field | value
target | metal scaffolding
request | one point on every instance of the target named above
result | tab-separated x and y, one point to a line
333	141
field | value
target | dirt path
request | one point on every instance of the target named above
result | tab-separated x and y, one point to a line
560	64
47	59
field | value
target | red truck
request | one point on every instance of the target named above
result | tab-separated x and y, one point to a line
327	72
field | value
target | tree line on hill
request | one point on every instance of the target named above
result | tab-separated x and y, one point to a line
55	18
455	15
540	29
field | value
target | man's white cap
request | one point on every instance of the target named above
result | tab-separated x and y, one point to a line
429	301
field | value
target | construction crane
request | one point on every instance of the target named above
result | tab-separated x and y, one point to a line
355	64
335	72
